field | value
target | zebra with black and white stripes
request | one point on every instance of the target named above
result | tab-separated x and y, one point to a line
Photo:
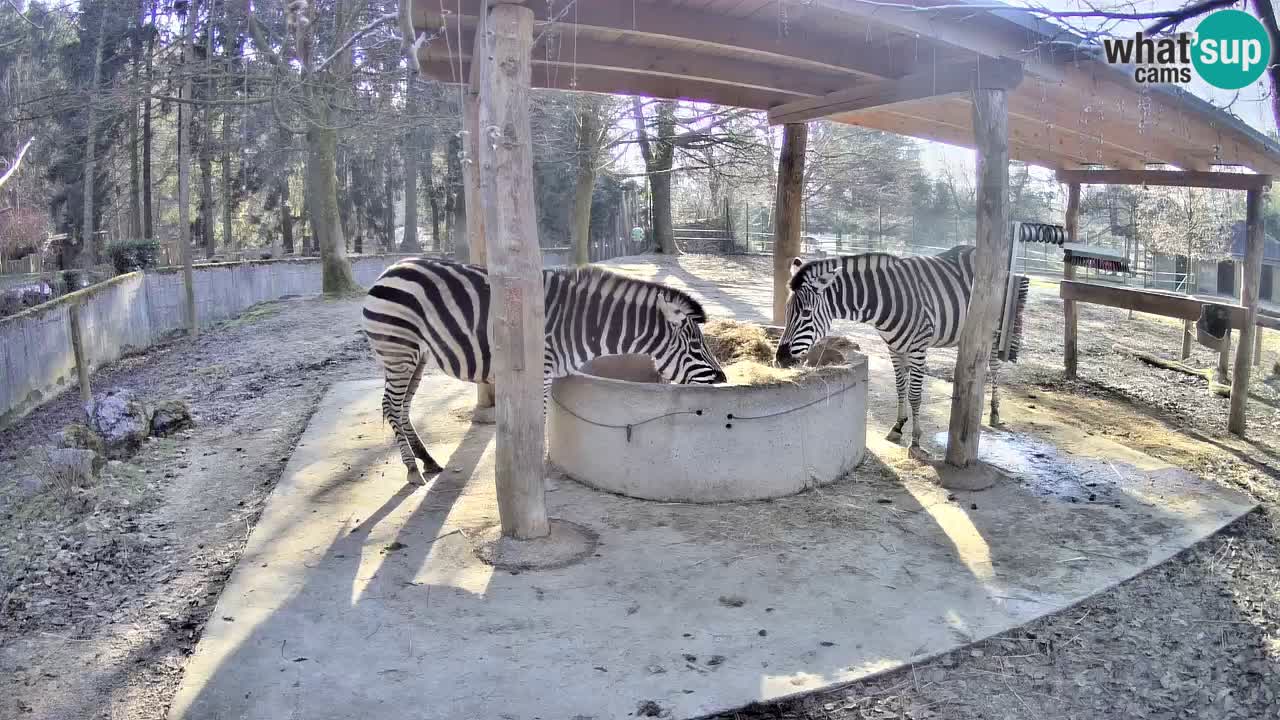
424	310
915	303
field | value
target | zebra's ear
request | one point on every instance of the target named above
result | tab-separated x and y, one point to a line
796	264
673	312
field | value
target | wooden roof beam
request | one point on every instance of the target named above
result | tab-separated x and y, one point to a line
1167	178
619	82
745	37
958	135
935	82
586	53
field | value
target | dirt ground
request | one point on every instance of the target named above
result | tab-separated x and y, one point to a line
104	591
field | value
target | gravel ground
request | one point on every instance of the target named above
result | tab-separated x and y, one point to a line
1197	637
105	590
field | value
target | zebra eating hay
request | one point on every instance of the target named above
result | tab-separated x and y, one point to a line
424	310
915	303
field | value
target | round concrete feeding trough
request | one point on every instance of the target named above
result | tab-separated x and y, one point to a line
616	427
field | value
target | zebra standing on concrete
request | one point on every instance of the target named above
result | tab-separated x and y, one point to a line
424	310
915	303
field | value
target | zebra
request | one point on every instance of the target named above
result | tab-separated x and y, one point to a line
424	310
915	303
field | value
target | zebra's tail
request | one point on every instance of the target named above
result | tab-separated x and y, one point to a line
1022	285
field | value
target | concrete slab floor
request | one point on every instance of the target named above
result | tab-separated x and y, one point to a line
361	597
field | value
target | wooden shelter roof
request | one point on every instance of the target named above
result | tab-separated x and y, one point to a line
892	65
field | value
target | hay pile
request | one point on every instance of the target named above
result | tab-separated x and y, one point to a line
746	353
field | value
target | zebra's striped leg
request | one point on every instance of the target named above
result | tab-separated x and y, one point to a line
429	465
392	396
548	484
915	390
993	369
900	383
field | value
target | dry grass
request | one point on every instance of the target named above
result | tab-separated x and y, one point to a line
747	354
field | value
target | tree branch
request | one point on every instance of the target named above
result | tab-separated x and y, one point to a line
368	28
13	169
259	35
1187	13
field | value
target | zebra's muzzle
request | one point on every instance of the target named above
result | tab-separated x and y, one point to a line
784	357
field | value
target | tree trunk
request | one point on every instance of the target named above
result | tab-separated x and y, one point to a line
663	231
286	216
87	225
790	197
429	186
587	160
184	173
322	206
148	216
206	193
228	201
410	243
135	181
388	207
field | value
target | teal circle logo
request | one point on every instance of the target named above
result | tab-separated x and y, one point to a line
1232	49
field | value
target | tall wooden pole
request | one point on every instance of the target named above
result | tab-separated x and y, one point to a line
515	268
991	139
787	212
1069	273
1248	298
471	181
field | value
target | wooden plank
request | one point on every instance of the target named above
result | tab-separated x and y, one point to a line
1167	178
991	136
835	51
516	318
1224	360
789	203
82	361
959	27
947	80
563	53
625	82
954	131
1182	307
1069	310
1249	299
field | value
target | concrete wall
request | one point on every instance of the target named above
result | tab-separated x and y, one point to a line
132	312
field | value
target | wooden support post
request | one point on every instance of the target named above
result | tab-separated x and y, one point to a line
991	139
1188	327
82	362
1249	299
1224	359
516	319
1257	346
471	185
1069	273
787	213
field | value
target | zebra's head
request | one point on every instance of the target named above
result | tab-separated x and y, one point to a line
684	357
809	309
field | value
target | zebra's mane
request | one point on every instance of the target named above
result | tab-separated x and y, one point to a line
593	274
861	261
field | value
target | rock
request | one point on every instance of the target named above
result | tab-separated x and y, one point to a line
170	416
121	420
74	467
78	435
